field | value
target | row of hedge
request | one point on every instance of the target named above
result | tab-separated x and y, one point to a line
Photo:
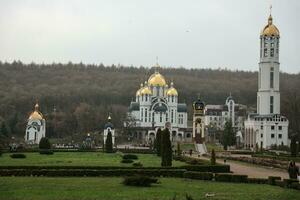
276	157
199	168
93	173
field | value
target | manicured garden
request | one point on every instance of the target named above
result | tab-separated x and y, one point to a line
81	159
40	188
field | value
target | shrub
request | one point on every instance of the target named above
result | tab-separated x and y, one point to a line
198	175
137	164
126	161
108	143
279	183
166	148
18	155
272	179
130	156
140	181
258	180
295	185
231	178
46	152
44	143
288	182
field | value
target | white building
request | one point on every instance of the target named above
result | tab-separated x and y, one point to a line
36	127
217	115
156	104
267	127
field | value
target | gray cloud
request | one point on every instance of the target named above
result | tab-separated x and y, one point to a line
192	33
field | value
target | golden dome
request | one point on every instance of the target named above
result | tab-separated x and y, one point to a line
138	92
172	91
157	79
146	90
270	29
36	114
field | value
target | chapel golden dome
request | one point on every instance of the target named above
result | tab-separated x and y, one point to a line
36	114
172	91
138	92
270	29
146	90
156	79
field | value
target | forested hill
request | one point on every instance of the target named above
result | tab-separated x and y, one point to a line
84	94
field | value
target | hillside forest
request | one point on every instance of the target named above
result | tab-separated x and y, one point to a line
77	98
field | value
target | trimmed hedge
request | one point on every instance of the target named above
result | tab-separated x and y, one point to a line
46	152
288	182
234	178
198	175
86	172
126	161
272	179
208	168
258	180
130	156
279	183
140	151
140	181
18	155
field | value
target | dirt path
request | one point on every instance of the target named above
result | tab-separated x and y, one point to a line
253	171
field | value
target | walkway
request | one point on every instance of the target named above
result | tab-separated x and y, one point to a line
253	171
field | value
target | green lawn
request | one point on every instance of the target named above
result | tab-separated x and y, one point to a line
80	159
40	188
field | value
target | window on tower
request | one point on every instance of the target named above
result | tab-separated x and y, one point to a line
272	77
271	104
265	52
272	44
272	52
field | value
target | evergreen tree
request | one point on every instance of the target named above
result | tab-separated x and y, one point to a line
213	157
3	129
178	149
158	142
108	143
228	138
166	149
44	143
293	147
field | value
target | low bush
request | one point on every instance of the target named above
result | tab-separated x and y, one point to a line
44	143
46	152
295	186
126	161
198	175
137	164
140	181
288	182
234	178
130	156
279	183
18	155
258	180
140	151
272	179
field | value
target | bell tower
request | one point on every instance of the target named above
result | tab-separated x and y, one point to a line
268	95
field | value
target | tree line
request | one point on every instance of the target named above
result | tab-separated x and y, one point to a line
77	98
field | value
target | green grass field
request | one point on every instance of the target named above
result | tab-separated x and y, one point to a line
42	188
80	159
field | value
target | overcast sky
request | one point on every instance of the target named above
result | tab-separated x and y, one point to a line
188	33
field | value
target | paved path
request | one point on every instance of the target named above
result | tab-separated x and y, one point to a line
253	171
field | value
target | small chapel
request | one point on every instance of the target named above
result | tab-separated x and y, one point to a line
36	127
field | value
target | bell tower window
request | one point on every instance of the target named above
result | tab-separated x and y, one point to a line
272	77
271	104
265	52
272	52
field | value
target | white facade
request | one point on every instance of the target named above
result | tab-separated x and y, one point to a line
156	104
217	115
267	127
36	127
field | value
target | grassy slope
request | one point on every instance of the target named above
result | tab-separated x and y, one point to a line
80	159
112	189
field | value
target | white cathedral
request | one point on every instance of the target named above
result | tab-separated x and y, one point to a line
267	127
156	104
36	127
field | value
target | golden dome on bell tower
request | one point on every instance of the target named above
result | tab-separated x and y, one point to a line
270	29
